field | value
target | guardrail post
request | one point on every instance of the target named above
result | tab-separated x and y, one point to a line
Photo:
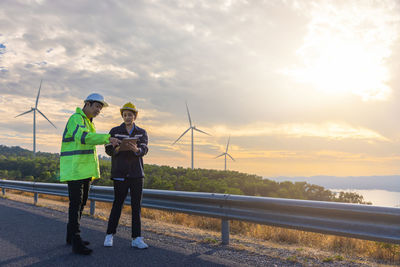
92	206
225	231
35	198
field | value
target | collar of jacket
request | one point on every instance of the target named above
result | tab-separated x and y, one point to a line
80	111
122	126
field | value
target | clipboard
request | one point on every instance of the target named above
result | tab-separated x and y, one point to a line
126	141
123	137
130	139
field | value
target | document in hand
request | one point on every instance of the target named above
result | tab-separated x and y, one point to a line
121	136
126	139
129	140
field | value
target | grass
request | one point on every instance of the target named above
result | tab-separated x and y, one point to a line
209	240
328	259
389	253
292	258
341	246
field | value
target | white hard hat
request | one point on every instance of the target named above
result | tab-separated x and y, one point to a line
97	98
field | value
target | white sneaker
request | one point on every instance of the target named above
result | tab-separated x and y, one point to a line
108	242
138	243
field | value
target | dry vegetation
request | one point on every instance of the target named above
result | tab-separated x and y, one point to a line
389	253
348	247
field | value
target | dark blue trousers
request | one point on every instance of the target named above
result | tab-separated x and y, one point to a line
78	192
135	186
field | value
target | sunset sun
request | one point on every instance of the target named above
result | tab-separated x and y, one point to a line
347	68
340	55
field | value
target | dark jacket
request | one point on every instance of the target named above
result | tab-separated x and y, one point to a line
128	164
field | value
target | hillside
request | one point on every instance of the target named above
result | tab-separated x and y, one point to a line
19	164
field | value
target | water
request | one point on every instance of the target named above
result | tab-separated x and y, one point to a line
379	190
377	197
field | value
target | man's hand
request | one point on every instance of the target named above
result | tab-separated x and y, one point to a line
114	141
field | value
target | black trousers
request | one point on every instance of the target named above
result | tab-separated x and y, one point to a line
78	192
135	186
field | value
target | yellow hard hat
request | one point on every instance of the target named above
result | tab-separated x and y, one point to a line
129	106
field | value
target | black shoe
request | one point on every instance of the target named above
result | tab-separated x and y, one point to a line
86	243
78	247
69	241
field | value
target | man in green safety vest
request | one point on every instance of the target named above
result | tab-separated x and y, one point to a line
79	164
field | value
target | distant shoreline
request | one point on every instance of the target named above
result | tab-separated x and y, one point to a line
389	183
377	197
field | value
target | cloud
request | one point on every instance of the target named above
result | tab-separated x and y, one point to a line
318	155
166	52
335	131
225	58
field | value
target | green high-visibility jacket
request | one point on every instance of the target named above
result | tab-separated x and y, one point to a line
78	158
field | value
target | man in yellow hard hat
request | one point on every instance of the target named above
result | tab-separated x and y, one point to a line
127	173
79	163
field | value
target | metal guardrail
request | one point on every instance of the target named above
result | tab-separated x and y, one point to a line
343	219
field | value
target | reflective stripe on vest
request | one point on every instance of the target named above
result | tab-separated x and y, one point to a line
77	152
83	138
72	138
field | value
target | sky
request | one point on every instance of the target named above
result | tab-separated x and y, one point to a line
302	88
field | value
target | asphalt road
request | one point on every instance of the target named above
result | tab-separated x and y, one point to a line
35	236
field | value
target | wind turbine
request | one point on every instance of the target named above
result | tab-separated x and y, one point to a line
226	153
34	118
192	128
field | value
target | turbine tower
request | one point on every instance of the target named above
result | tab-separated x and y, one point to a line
226	153
192	128
34	118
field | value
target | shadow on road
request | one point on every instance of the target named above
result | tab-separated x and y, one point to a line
35	236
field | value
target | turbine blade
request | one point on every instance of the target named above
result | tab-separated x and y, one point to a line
194	128
37	98
187	109
227	145
220	155
181	136
46	118
24	113
231	157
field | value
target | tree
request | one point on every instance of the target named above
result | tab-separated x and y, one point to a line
19	164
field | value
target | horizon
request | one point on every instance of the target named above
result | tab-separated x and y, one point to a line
303	88
263	177
379	190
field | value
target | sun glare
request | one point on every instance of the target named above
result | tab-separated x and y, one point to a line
345	51
347	68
